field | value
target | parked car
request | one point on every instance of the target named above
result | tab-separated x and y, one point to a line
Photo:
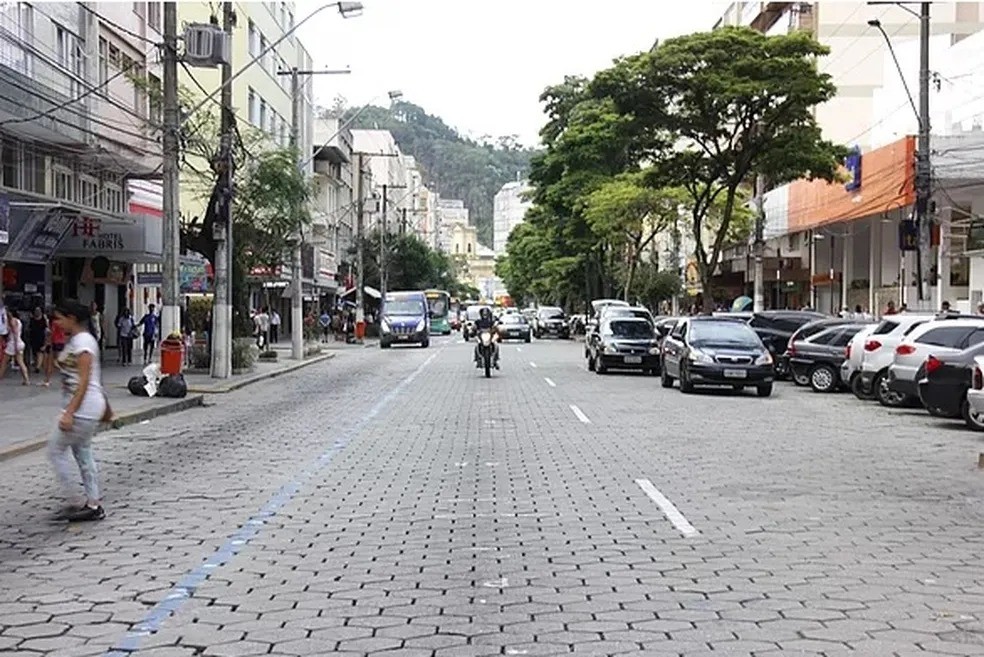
940	337
803	333
776	327
853	356
818	357
612	311
625	343
596	307
551	321
513	326
943	381
973	408
714	351
879	349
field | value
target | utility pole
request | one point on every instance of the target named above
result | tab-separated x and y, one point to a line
222	227
758	296
924	174
360	257
296	279
171	310
676	246
383	264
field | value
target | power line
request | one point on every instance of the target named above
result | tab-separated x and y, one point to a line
119	27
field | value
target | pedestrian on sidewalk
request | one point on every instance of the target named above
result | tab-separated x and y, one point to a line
57	339
126	328
150	324
261	326
14	350
86	405
96	327
325	322
275	326
37	334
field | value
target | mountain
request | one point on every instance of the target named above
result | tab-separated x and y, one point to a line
451	164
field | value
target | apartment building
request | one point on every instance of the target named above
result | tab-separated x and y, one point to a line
78	151
508	211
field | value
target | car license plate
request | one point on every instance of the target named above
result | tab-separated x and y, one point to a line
403	337
633	360
735	374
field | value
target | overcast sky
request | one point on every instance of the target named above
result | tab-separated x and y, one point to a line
481	64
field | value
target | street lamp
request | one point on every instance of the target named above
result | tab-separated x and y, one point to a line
350	9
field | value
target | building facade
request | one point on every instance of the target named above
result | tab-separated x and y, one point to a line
508	211
79	126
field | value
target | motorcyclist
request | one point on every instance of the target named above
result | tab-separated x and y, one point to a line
486	322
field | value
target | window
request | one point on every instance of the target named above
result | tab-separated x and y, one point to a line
975	338
64	183
16	29
262	52
912	328
283	14
254	40
88	191
156	98
139	93
103	60
262	118
254	107
845	336
10	159
886	327
154	15
113	198
70	58
115	57
945	336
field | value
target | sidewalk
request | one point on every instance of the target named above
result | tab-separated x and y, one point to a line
28	413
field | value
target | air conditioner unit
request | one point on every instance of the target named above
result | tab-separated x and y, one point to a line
206	45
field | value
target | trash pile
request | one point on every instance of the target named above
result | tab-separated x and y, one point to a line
153	384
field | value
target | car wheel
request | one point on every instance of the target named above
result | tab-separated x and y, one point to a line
973	420
857	387
886	396
600	369
737	388
686	386
823	378
384	345
764	390
800	379
665	379
425	344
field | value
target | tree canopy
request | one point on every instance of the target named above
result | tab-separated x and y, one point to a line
688	125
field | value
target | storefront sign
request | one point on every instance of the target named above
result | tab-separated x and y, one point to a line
150	278
36	234
138	240
193	276
853	165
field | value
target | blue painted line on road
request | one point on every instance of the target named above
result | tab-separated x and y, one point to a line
185	588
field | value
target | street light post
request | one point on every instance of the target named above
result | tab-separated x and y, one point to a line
296	278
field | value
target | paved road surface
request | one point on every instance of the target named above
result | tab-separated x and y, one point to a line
396	503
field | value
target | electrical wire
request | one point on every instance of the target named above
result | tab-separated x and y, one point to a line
119	27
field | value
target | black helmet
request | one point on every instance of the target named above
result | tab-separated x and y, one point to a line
485	313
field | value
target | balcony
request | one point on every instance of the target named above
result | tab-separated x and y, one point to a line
30	109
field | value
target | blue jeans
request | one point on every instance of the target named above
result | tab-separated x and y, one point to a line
78	441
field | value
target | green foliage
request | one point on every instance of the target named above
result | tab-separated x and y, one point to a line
456	166
411	265
714	109
243	354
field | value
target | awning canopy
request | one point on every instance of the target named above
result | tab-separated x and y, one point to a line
371	291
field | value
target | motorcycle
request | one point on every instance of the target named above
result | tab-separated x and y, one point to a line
486	351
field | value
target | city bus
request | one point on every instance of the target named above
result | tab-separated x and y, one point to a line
439	303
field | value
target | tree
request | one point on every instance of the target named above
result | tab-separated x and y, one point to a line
630	215
713	109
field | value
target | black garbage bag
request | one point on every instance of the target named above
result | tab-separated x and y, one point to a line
173	386
136	386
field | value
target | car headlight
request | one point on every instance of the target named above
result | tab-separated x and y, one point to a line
610	349
697	356
384	325
421	325
764	359
654	351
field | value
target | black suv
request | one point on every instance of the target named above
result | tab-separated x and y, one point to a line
551	321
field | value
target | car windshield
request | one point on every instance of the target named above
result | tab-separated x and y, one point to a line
551	313
629	329
413	307
513	319
722	334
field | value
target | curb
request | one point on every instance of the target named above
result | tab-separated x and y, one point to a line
260	377
119	421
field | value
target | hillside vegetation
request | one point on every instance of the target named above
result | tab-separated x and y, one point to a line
453	165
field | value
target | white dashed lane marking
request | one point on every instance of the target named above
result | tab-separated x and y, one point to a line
580	414
667	507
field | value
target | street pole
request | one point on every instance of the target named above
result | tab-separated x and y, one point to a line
222	227
360	258
382	242
296	298
171	310
296	280
675	307
924	182
758	296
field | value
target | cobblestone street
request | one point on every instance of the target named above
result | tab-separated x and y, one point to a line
397	503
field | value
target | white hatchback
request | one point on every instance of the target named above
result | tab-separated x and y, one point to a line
941	337
973	409
851	367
